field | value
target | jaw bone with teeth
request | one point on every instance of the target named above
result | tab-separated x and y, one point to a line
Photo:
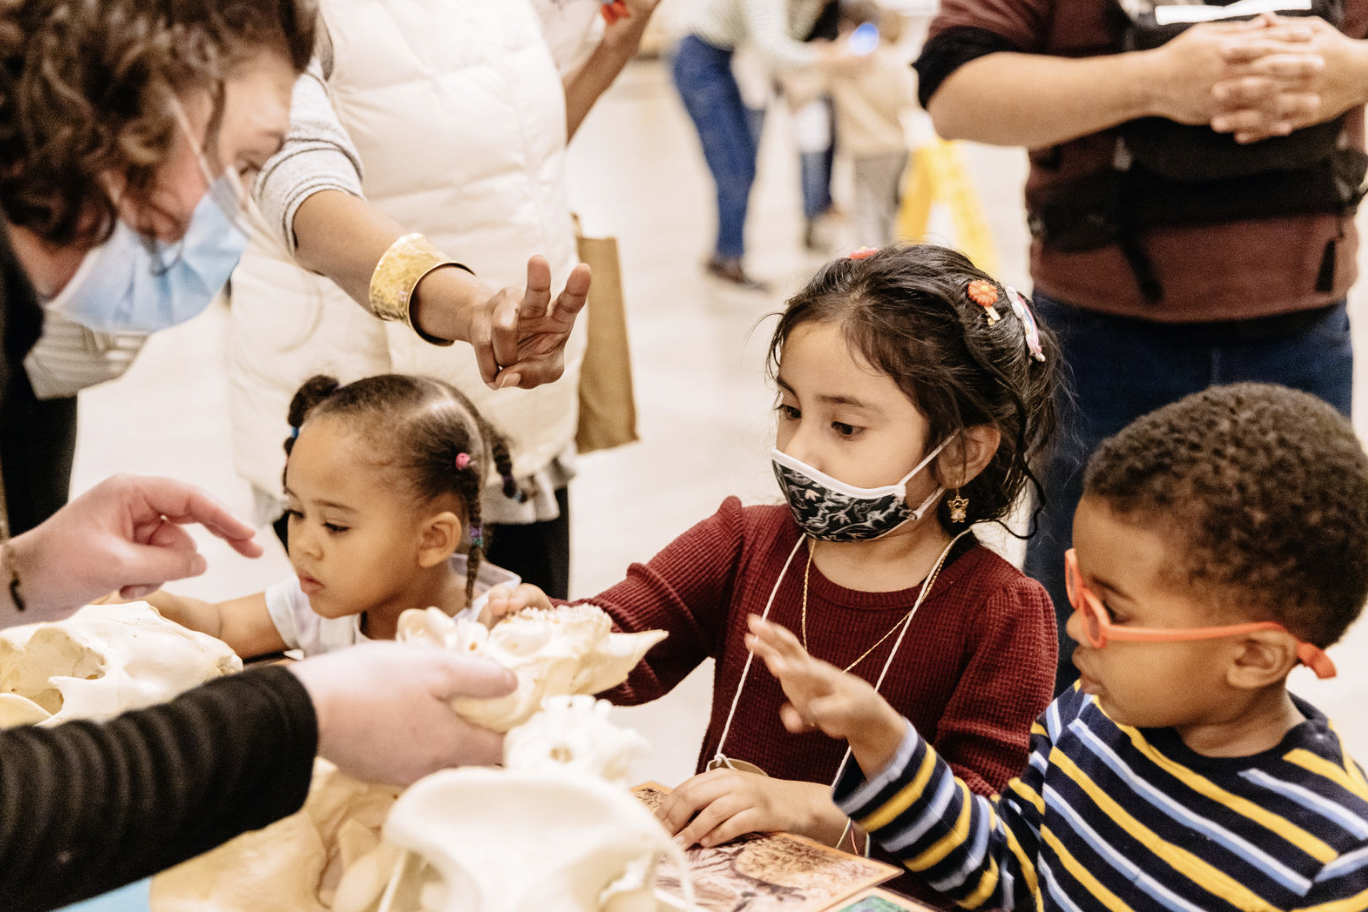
571	649
547	834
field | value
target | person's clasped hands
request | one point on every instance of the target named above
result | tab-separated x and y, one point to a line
1309	73
1256	79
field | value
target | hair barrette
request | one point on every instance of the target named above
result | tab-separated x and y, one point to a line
294	432
862	253
984	294
1028	324
462	461
476	535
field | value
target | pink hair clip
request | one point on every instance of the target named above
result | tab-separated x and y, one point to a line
862	253
462	461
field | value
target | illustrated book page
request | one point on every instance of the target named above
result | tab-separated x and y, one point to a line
764	872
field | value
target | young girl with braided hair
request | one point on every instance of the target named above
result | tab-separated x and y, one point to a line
913	393
383	478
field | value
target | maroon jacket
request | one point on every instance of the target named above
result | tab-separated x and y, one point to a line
1235	270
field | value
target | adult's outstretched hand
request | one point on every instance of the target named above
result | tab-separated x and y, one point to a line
126	533
519	335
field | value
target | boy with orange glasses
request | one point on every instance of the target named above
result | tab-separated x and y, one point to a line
1220	541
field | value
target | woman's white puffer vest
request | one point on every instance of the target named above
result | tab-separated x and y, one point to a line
458	113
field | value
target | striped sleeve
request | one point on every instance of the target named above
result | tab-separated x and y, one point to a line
980	852
768	28
775	27
318	155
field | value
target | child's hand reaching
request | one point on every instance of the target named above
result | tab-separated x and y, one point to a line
505	600
821	696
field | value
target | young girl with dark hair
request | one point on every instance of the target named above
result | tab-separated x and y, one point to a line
913	393
383	478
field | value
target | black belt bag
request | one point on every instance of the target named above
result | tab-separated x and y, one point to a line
1098	209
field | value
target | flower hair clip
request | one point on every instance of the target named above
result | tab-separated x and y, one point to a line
862	253
1028	324
984	294
462	461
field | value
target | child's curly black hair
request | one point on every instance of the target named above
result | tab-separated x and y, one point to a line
1264	491
420	426
906	309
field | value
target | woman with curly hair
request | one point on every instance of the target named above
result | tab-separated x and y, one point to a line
116	118
128	130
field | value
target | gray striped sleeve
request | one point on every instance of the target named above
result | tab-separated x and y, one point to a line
317	155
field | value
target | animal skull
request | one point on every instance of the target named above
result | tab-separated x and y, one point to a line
505	841
101	661
546	834
571	649
572	734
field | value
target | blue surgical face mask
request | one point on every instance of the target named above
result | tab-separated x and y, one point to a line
131	284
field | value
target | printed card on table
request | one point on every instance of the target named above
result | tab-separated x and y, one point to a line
765	873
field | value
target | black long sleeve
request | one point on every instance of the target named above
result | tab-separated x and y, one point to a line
88	807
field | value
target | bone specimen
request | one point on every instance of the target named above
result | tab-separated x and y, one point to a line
556	831
293	865
505	841
546	834
571	649
572	734
101	661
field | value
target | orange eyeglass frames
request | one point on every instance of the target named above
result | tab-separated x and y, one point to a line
1098	628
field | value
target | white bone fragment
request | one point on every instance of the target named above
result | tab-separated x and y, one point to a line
572	735
513	841
571	649
101	661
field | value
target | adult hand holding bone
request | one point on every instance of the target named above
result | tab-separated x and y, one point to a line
383	711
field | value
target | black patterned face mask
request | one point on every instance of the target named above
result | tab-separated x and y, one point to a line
831	510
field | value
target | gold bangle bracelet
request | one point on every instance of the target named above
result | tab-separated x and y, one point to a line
397	275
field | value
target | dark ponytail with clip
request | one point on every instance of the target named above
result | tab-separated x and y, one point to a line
420	429
946	333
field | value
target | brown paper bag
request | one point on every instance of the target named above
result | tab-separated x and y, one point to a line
607	409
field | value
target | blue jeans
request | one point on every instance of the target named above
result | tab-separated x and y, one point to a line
703	76
1120	369
814	172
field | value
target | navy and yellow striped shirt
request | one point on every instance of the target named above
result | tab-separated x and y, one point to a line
1112	817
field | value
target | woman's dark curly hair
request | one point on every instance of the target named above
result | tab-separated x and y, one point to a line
1263	491
906	310
417	428
87	87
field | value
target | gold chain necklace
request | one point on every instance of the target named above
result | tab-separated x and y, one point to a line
926	588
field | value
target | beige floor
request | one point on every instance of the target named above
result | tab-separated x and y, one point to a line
698	353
